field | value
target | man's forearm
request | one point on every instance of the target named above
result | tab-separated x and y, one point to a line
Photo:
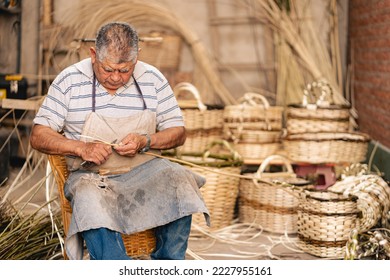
48	141
168	138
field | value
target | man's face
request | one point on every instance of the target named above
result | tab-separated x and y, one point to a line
111	75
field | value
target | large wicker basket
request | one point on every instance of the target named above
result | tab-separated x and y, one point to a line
271	206
317	113
253	113
220	165
203	125
325	220
327	147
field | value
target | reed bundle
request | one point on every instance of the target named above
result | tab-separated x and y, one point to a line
91	14
300	47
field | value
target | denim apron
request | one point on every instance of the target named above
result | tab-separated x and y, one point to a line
128	194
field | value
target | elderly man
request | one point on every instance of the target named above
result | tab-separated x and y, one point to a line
104	113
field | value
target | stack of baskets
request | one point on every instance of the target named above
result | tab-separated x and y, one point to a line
254	127
269	205
221	167
319	131
203	126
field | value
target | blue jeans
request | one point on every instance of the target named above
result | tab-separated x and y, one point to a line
171	242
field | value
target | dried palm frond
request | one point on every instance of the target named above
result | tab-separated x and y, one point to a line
373	244
27	237
296	30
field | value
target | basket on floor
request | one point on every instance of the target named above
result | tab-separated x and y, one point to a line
203	125
271	206
327	147
138	245
325	220
220	165
319	114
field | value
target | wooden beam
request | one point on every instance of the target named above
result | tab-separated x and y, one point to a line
21	104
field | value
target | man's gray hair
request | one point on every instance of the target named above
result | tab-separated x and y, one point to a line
118	42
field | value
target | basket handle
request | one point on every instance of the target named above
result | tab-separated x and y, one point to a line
271	158
185	86
321	101
251	98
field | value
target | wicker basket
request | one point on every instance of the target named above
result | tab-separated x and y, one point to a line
203	125
273	207
220	165
319	116
323	147
325	220
161	50
257	152
253	112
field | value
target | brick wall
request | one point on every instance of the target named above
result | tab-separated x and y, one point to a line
369	47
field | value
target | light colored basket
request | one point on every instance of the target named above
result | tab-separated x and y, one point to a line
257	151
272	207
161	50
252	136
321	115
198	140
323	147
203	126
195	113
325	220
220	167
253	112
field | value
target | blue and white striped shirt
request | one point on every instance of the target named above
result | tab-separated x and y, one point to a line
69	99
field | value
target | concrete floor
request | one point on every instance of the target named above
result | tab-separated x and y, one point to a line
238	241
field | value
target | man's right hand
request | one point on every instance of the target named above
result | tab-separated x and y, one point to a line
97	153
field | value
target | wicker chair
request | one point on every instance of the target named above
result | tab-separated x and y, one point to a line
138	245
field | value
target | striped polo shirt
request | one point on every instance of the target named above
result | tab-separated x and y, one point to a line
69	99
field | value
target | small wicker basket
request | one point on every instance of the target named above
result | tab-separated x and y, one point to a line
272	207
253	112
319	116
254	127
203	126
327	147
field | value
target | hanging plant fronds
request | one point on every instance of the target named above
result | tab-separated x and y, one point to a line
307	49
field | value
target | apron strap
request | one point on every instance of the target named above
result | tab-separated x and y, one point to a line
139	91
93	92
